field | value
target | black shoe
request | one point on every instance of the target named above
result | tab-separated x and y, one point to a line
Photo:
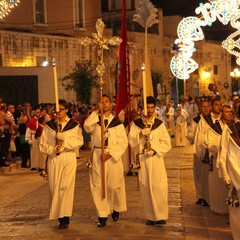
64	222
160	222
25	166
199	201
149	222
204	203
4	164
129	173
102	222
33	169
115	216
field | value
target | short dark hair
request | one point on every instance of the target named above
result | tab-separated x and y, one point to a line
63	102
151	100
214	100
105	95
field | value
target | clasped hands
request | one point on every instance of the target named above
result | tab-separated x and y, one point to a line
105	157
59	147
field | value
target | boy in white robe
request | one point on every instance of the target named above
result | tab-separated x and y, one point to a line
59	142
153	141
115	144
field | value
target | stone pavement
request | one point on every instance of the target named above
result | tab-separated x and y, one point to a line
24	208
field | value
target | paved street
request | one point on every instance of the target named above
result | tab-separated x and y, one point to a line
24	208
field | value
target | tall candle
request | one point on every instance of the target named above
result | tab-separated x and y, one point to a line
144	89
55	84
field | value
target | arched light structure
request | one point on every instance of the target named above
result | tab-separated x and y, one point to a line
190	30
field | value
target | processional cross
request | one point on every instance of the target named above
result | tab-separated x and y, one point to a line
101	43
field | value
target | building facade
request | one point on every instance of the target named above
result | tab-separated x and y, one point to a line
38	29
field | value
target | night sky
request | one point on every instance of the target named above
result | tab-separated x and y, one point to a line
186	8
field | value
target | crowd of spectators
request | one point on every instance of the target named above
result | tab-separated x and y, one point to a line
15	120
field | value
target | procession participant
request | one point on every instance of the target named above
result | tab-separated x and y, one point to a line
230	127
32	126
115	145
181	128
59	141
151	137
205	108
217	189
233	169
202	153
170	118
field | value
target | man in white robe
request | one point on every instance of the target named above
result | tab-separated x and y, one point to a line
202	153
205	109
233	168
217	188
153	141
230	127
59	142
115	144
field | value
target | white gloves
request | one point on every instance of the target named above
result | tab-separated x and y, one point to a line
146	131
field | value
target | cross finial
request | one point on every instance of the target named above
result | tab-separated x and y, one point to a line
101	43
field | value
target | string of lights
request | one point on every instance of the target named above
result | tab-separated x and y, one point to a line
6	6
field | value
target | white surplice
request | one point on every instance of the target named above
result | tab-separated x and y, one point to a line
152	174
61	168
217	188
115	195
233	168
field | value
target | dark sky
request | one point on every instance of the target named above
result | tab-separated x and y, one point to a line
187	8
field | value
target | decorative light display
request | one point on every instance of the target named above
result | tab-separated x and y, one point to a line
6	6
189	30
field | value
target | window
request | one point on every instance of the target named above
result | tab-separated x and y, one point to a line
215	69
79	14
40	16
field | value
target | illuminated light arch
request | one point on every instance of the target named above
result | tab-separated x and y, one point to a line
6	6
189	30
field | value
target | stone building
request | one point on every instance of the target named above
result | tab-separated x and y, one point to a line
38	29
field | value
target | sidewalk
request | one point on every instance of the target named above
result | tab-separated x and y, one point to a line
24	208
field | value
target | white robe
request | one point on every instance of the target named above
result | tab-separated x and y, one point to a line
217	189
221	160
115	195
35	155
233	168
181	131
170	120
199	151
152	174
61	169
196	161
